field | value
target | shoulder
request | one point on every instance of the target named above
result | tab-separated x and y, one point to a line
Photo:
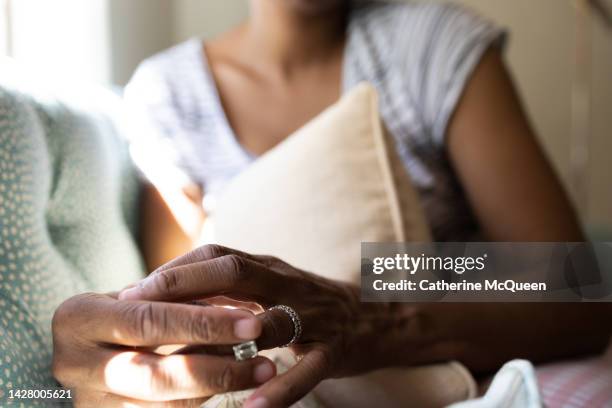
165	81
164	68
413	26
425	53
393	16
167	61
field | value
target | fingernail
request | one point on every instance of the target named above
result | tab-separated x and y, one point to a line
263	373
257	403
247	329
128	294
133	292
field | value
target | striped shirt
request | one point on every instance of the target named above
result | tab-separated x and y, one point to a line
418	55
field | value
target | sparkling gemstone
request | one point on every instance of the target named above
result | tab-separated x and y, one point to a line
245	351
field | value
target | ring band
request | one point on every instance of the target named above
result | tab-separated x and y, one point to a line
297	323
245	351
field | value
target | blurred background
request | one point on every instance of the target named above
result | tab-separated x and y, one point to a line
560	53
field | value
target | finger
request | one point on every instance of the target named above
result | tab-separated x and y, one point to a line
288	388
203	253
229	275
277	329
131	285
220	350
151	377
102	319
224	301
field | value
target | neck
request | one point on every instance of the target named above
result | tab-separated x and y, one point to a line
279	35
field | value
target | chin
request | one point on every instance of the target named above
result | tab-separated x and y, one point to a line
317	7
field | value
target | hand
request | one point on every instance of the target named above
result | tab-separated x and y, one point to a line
340	335
102	351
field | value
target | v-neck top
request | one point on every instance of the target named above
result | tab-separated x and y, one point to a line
419	57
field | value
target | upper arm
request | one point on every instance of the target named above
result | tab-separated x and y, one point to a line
171	211
161	237
467	105
511	186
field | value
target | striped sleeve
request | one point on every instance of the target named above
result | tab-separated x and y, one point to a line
151	124
444	44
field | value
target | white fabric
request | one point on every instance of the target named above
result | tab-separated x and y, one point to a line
514	386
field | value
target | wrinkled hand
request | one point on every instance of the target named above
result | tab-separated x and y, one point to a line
336	327
102	351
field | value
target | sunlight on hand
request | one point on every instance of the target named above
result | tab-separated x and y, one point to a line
148	377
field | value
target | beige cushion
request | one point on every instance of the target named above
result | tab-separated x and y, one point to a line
311	201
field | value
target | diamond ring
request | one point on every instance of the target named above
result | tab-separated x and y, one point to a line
297	323
245	351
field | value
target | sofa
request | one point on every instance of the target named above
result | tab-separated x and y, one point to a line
68	207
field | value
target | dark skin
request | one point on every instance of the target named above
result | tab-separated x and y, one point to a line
512	189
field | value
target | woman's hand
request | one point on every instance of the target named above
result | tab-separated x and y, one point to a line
340	335
102	351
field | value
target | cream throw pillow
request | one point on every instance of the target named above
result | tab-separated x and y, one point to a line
311	201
